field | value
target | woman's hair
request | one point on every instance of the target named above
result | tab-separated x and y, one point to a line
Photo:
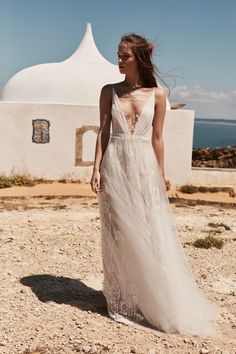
143	51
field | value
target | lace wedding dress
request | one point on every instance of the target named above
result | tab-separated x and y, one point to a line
147	280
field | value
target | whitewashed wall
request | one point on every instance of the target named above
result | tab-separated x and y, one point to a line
208	176
56	159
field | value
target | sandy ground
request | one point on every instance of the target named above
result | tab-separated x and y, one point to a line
51	277
84	189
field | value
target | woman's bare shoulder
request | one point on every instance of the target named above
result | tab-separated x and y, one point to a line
159	92
106	88
106	93
160	96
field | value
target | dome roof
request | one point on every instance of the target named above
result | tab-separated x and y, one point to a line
76	80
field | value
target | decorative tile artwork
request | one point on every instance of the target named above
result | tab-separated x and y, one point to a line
40	131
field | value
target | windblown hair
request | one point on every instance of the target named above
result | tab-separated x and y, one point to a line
143	51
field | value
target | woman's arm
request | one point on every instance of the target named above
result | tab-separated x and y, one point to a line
103	135
158	122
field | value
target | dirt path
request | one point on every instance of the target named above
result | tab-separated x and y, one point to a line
84	189
51	280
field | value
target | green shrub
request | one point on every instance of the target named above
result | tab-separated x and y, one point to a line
214	189
208	242
203	189
19	179
213	224
227	189
188	188
5	182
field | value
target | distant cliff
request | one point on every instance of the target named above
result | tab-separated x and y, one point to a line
224	157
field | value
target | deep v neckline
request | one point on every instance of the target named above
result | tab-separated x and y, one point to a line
139	113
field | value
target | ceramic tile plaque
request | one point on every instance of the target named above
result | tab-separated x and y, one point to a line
40	131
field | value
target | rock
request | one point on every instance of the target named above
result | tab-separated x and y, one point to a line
153	351
93	349
86	348
225	285
204	351
214	157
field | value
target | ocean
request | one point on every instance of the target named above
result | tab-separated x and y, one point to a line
214	133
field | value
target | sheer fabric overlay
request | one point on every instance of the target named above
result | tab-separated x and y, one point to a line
147	279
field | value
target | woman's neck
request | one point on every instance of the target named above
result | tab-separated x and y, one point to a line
133	81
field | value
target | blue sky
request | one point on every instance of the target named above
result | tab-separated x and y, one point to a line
195	41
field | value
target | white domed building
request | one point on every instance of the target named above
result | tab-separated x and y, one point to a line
49	116
76	80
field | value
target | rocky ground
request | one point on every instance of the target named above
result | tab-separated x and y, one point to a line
51	280
221	157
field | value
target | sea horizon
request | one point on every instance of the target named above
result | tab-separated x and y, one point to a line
215	120
214	133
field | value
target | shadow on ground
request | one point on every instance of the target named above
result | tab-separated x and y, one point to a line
64	290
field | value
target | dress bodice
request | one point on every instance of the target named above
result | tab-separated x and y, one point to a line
143	123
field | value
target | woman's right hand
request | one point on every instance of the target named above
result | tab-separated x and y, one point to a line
95	182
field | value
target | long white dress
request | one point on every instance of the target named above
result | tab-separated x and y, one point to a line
147	280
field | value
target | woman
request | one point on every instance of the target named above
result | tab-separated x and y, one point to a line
147	280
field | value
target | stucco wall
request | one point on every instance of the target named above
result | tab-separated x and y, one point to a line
213	176
57	158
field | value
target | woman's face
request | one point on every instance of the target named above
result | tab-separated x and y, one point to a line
127	61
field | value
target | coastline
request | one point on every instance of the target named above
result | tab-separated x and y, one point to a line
215	120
